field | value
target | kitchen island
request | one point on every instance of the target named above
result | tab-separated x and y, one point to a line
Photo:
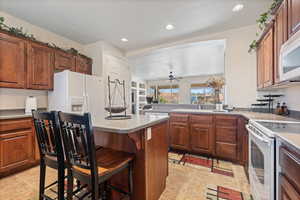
146	136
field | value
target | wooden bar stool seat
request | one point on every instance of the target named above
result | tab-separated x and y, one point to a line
109	162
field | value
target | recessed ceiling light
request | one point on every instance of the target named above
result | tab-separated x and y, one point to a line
170	27
124	40
238	7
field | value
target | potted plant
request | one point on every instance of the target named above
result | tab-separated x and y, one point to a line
217	84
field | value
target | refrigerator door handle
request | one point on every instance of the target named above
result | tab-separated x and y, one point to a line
87	103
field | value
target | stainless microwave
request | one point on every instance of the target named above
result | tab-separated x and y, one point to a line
289	60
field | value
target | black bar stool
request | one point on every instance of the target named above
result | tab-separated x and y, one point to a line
51	151
89	164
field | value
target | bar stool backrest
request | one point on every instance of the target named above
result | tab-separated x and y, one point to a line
78	140
48	134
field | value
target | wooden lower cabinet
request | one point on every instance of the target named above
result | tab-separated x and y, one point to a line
287	190
201	138
17	145
226	137
179	137
217	135
289	177
226	150
17	149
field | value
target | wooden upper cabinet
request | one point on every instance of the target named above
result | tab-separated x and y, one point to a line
260	66
83	65
265	63
64	61
293	16
268	58
40	64
12	62
280	35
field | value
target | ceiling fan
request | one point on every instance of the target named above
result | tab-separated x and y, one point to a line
172	77
171	74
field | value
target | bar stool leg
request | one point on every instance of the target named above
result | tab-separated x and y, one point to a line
60	183
42	179
70	183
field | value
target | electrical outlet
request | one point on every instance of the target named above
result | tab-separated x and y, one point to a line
149	133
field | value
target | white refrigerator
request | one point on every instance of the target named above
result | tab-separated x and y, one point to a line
77	93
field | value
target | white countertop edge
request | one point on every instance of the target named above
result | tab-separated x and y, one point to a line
119	130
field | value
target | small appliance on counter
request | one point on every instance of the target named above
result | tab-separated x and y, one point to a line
30	104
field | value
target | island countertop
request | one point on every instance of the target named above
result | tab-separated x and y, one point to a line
136	123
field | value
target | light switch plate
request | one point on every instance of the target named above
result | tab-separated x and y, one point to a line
149	133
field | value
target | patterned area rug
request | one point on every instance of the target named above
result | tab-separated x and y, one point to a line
222	193
194	177
214	165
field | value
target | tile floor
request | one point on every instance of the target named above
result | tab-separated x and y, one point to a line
186	181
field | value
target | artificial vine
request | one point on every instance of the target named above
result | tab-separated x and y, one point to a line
15	30
263	21
18	31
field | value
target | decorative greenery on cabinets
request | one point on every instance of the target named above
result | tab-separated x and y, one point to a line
15	30
263	21
18	31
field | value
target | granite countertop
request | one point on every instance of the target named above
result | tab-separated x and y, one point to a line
136	123
291	139
16	113
246	114
14	116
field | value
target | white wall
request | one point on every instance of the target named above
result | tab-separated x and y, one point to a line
292	97
15	98
108	60
240	66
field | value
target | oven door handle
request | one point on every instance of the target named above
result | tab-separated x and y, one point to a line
257	136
